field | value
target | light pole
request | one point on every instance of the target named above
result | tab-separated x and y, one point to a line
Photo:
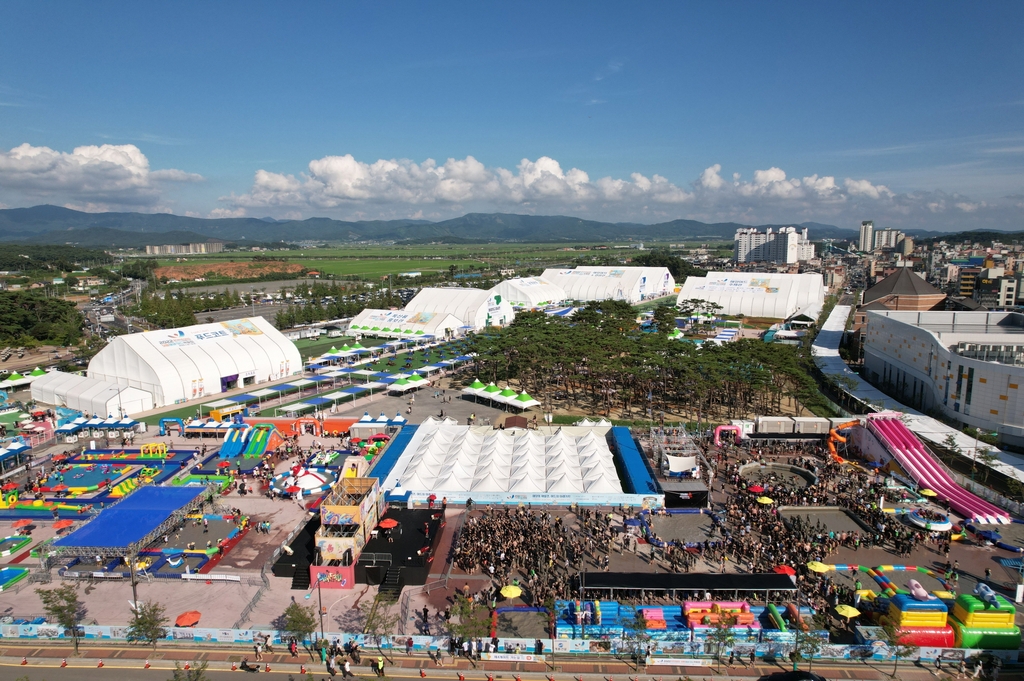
320	598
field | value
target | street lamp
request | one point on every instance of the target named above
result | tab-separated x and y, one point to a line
320	598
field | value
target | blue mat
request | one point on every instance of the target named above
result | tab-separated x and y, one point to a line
132	519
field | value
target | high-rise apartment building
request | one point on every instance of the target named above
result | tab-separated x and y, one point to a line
867	235
786	246
887	238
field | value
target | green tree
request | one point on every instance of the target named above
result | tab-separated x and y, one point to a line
898	645
149	624
380	621
722	636
636	637
808	644
62	606
300	621
195	672
988	458
468	618
665	319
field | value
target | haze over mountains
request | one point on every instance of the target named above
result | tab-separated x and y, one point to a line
53	224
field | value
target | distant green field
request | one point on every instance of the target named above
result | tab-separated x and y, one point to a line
380	267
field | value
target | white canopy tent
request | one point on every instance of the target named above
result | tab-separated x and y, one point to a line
631	284
404	324
530	292
197	361
758	294
446	458
476	307
89	394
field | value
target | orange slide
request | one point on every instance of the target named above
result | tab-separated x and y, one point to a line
834	437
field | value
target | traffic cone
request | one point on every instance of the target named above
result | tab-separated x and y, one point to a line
64	662
100	663
462	677
423	674
302	669
234	667
550	678
186	667
266	667
146	666
517	677
490	677
24	660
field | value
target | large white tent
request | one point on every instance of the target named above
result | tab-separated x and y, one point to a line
100	398
404	324
197	361
631	284
529	292
477	308
760	294
450	460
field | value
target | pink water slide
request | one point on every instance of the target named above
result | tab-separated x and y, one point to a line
911	454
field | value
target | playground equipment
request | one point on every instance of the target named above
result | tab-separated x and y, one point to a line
985	620
263	437
915	459
706	614
234	441
721	429
153	448
165	425
941	524
834	437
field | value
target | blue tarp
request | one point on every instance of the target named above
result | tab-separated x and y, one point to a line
281	387
132	519
320	378
318	400
636	475
242	398
353	390
387	380
395	448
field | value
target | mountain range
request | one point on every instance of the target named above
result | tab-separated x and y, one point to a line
57	225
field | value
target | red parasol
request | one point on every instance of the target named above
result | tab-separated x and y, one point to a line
188	619
756	489
784	570
59	488
388	523
63	524
293	489
9	486
21	523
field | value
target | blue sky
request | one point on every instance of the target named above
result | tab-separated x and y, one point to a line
906	113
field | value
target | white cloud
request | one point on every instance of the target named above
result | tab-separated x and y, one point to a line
98	177
227	213
343	186
710	177
342	181
865	188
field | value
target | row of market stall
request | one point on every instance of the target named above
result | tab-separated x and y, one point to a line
111	427
496	395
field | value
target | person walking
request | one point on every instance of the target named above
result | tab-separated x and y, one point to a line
346	670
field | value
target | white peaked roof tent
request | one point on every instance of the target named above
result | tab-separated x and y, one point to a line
477	308
530	292
445	457
89	394
631	284
761	294
196	361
